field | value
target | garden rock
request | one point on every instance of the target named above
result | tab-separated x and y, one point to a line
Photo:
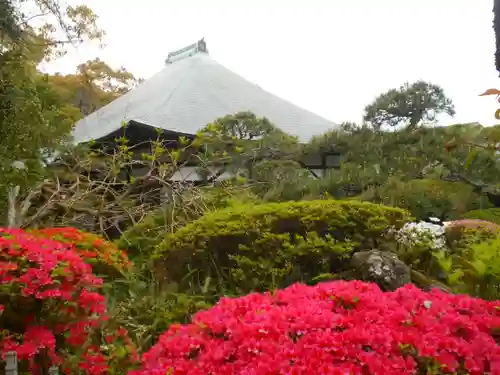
381	267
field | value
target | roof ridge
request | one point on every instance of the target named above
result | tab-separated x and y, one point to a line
198	47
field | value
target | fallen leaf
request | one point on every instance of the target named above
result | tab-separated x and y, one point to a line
490	92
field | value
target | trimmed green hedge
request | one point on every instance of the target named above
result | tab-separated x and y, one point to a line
490	214
260	247
426	198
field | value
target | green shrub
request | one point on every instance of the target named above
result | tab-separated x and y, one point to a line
473	265
146	310
259	247
427	198
490	214
141	238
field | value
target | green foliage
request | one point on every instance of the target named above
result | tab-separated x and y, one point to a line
9	22
408	106
490	214
473	267
370	156
280	180
241	140
248	247
428	198
141	238
138	304
31	123
48	27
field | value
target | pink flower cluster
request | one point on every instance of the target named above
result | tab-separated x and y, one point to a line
335	328
49	301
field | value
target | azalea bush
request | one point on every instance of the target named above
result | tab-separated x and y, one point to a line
334	328
52	311
104	256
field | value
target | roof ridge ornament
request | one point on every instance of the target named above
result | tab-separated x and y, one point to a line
199	47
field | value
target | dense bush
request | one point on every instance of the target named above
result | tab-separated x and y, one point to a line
141	238
143	308
258	247
471	264
51	306
429	198
458	231
463	256
334	328
490	214
105	257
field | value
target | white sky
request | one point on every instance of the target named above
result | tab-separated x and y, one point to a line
329	56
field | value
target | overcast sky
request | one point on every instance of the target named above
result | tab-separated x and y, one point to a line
329	56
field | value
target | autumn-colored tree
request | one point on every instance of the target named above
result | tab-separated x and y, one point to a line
408	105
94	85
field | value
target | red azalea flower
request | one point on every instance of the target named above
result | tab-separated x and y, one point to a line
333	328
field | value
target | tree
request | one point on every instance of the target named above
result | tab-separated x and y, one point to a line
370	157
94	85
408	106
49	28
33	122
253	148
101	190
242	140
33	119
9	22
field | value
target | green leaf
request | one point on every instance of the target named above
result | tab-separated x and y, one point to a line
479	266
471	158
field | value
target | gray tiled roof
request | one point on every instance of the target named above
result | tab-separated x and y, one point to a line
192	92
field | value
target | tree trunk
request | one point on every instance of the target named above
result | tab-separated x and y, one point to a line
496	28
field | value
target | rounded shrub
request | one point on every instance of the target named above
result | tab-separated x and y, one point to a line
105	257
490	214
429	198
258	247
334	328
50	306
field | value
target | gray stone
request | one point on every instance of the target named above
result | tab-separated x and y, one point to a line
381	267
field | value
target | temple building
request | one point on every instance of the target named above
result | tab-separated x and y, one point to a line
191	91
